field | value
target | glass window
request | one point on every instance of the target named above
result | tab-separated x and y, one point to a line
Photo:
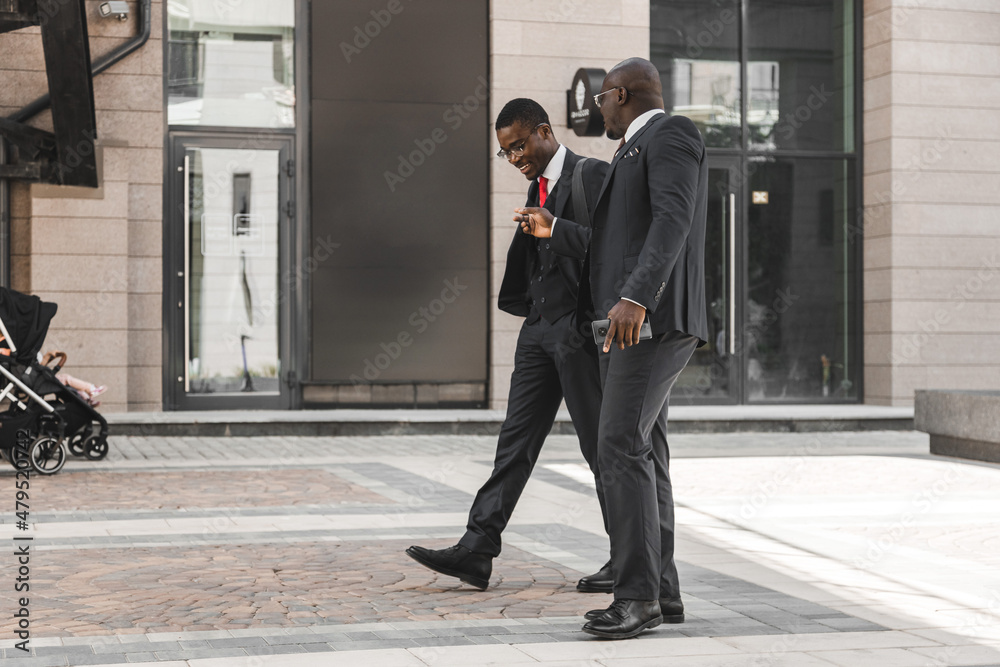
799	329
233	288
696	47
801	75
231	64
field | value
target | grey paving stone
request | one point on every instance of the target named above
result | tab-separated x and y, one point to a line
284	640
524	639
141	657
278	650
375	644
107	659
190	645
39	661
401	634
148	647
442	641
61	650
201	653
236	642
487	630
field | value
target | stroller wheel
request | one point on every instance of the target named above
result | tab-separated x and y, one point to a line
96	448
77	446
48	455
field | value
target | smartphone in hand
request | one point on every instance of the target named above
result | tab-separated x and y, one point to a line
601	327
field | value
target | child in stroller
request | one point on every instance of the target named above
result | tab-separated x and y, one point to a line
43	413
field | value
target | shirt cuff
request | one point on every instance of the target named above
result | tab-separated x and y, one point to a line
635	302
552	229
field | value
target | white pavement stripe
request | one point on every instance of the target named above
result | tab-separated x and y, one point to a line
237	524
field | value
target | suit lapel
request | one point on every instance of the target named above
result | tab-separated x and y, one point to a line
565	184
624	151
532	194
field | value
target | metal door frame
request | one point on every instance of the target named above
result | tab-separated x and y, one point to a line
735	210
174	297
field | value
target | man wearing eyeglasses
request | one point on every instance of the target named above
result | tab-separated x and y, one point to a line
646	261
553	359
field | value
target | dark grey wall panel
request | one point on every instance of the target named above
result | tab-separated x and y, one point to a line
430	51
432	217
417	326
400	180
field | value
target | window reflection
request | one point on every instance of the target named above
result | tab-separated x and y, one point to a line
800	281
801	74
695	46
231	66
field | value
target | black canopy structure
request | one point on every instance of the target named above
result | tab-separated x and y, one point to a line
25	322
64	156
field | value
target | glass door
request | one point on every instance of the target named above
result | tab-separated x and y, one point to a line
714	372
232	212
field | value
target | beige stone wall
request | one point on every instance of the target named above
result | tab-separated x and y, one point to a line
98	254
537	47
932	197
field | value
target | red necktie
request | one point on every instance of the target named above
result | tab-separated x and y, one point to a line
543	190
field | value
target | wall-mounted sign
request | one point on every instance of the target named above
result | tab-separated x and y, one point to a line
760	196
583	115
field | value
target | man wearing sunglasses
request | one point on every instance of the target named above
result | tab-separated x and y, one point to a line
646	261
553	359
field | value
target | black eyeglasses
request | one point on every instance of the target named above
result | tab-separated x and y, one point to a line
518	150
597	97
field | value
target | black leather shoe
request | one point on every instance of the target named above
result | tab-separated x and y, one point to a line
671	608
601	581
626	618
457	561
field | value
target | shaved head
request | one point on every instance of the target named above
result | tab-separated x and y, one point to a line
638	90
640	77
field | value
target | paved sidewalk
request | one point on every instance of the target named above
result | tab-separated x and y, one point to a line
849	549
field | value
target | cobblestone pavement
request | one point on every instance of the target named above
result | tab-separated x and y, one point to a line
847	549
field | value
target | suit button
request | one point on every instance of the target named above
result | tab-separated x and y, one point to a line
539	279
532	302
543	299
546	246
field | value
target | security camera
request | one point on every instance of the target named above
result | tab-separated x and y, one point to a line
115	8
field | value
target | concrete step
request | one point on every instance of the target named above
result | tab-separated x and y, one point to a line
683	419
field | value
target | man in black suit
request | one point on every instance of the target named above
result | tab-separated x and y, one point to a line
645	258
552	359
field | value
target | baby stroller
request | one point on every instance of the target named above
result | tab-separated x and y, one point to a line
43	414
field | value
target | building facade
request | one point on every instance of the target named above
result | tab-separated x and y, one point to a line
299	204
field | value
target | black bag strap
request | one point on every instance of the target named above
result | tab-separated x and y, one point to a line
580	210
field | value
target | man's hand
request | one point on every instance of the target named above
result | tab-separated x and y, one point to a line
535	221
626	320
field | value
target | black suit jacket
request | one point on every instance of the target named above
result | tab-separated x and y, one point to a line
522	256
648	237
